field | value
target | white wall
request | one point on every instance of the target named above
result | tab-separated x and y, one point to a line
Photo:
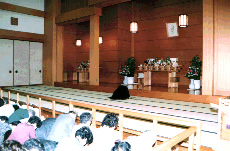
26	23
34	4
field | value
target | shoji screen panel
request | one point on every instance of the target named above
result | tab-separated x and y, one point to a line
6	65
21	62
36	63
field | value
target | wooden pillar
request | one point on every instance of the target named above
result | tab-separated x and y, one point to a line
59	65
94	122
1	93
28	102
121	119
94	51
70	106
9	96
208	47
40	107
50	64
132	44
53	109
17	98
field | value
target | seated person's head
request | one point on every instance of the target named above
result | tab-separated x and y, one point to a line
86	118
35	121
31	112
2	102
84	135
110	120
16	107
4	119
11	145
73	114
33	145
121	146
6	101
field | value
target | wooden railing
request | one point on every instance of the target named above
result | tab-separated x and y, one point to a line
193	127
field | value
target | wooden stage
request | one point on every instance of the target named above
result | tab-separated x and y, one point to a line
161	92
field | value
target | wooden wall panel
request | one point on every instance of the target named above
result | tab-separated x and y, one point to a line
108	56
109	66
109	77
151	40
69	62
108	50
68	5
70	48
111	44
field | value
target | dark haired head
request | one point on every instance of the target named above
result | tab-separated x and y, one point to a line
85	117
85	133
16	107
6	101
110	120
15	123
72	112
35	120
2	102
4	119
125	146
11	145
34	144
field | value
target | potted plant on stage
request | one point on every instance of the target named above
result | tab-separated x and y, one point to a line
131	63
124	70
194	73
129	70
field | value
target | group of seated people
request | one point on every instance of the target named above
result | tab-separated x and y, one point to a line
22	130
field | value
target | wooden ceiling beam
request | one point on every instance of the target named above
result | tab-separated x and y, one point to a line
20	9
17	35
77	15
105	3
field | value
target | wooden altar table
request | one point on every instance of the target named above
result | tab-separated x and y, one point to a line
173	80
81	75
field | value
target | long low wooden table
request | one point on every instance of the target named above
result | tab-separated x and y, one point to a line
79	75
173	80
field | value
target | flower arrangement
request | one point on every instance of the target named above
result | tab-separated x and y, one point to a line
124	70
83	65
156	61
129	68
194	71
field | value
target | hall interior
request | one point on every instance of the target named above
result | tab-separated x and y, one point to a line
70	20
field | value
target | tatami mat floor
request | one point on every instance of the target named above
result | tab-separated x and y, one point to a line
178	109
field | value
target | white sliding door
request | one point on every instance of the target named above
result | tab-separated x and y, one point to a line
6	65
21	62
36	63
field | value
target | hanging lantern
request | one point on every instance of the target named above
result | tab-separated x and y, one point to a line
133	27
183	20
78	42
100	40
